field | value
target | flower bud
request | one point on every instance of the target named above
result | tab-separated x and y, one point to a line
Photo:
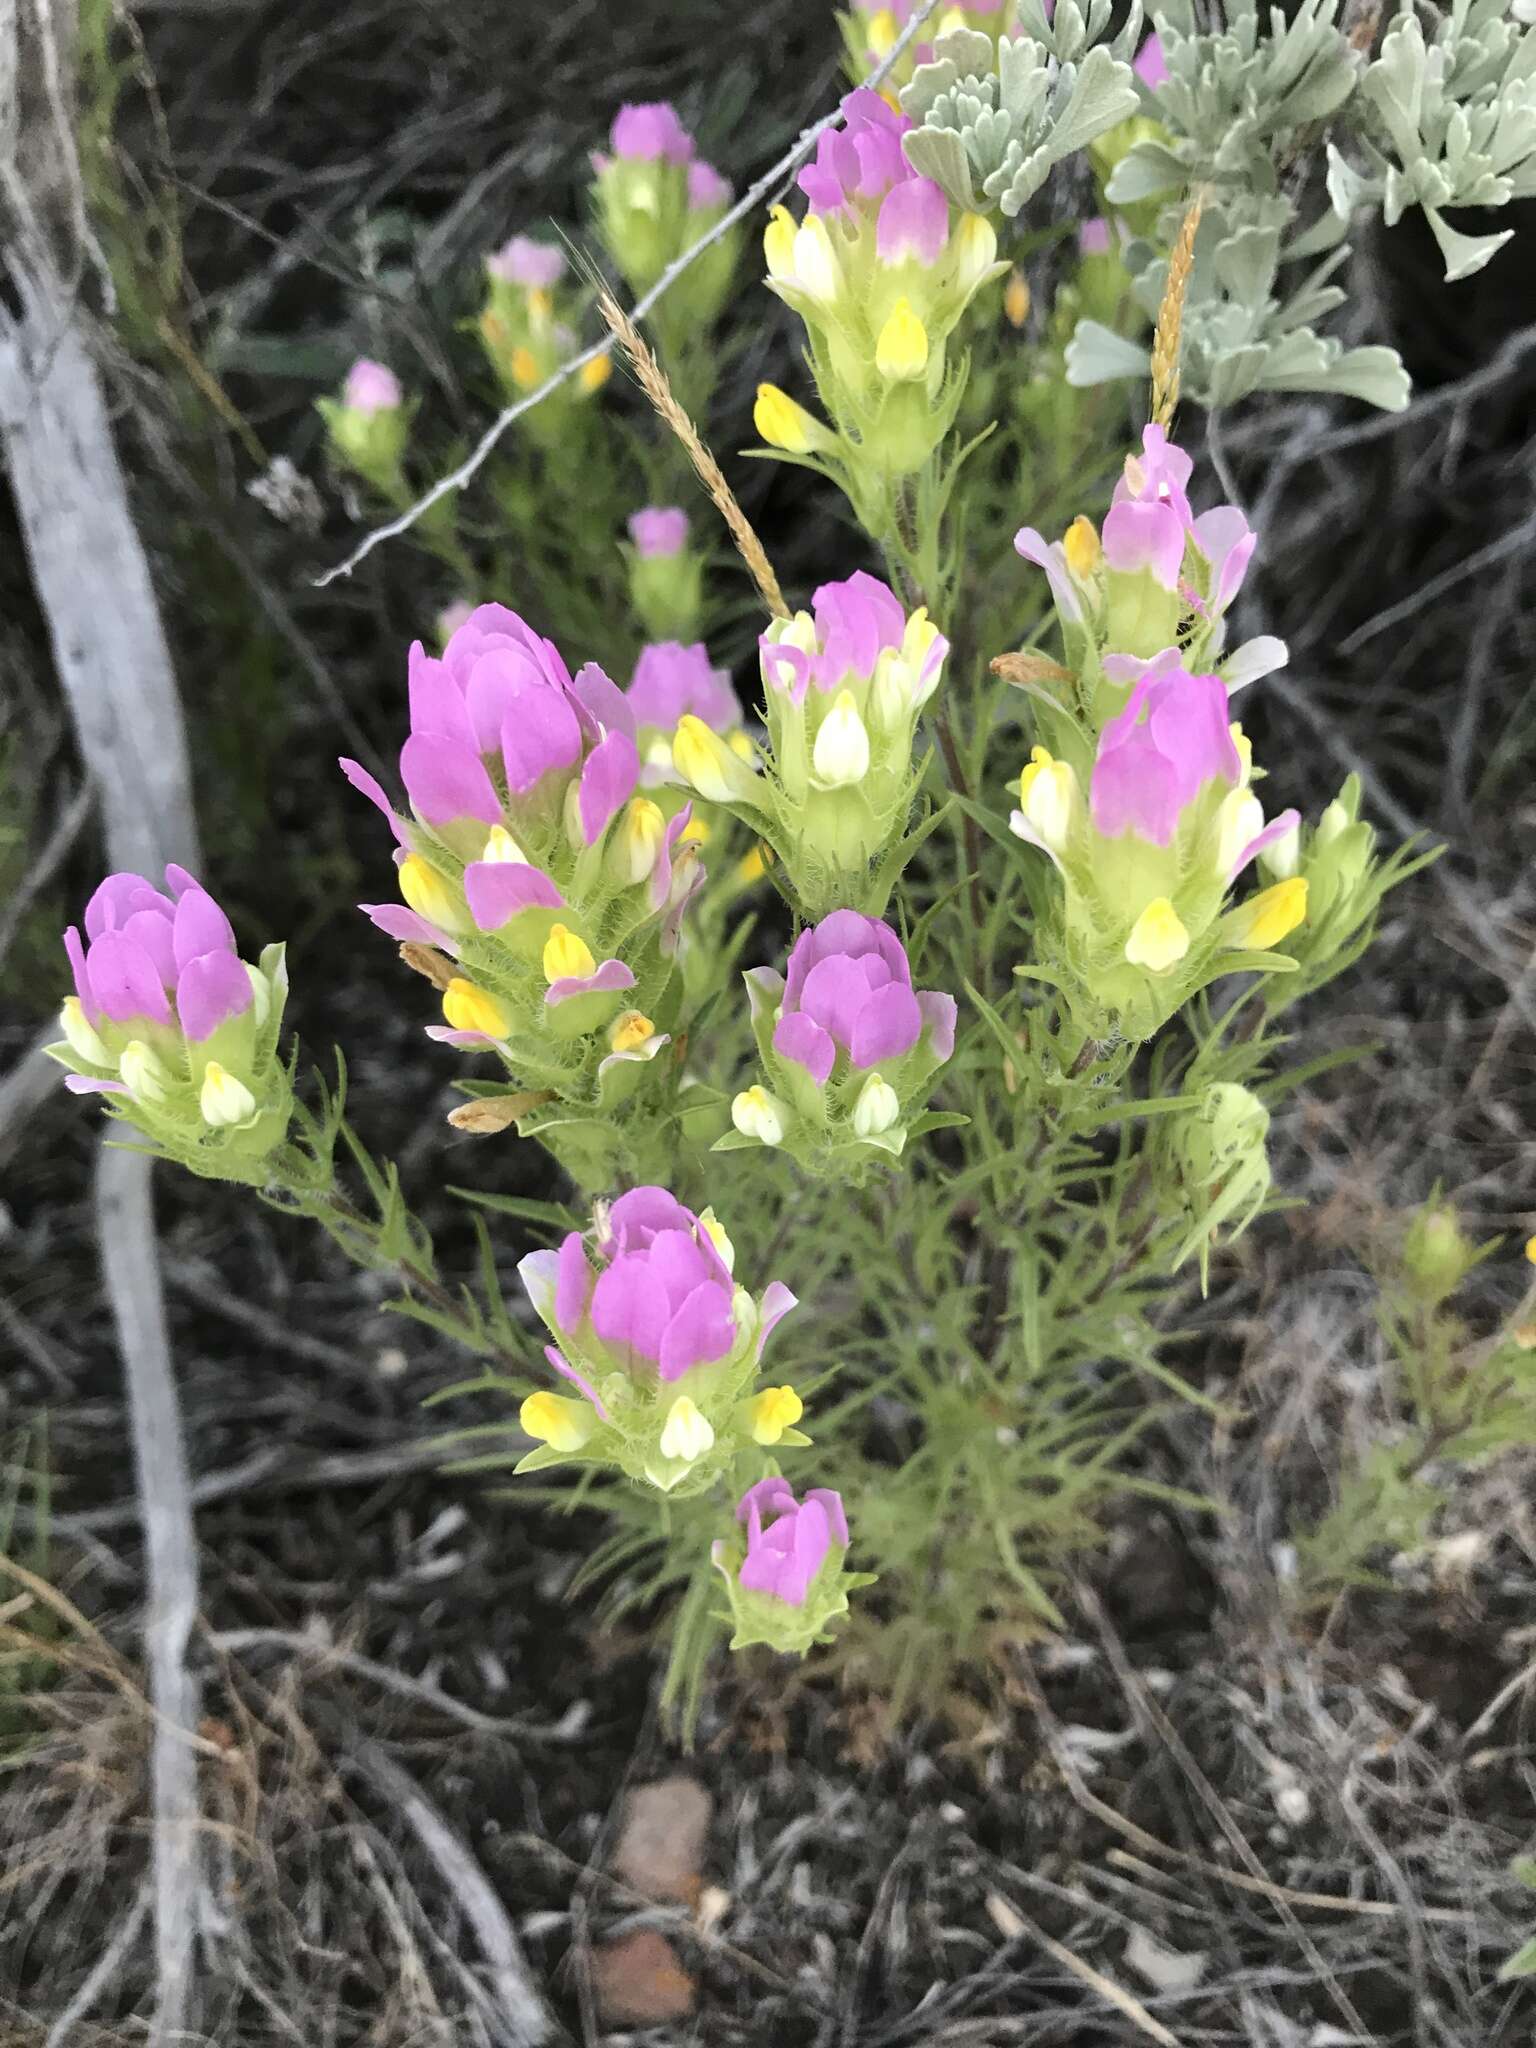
877	1108
551	1419
686	1434
468	1008
975	247
773	1411
841	753
815	261
708	764
1016	298
225	1102
715	1231
1264	920
145	1077
1239	822
84	1041
1437	1254
783	424
631	1028
567	956
1282	856
779	245
1047	800
503	849
1081	546
901	350
430	896
756	1114
633	849
1158	938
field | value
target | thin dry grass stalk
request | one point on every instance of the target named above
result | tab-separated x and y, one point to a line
1170	317
653	381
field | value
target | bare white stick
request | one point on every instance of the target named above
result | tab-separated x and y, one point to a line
92	582
526	2019
749	201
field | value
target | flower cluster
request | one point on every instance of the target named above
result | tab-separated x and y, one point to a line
174	1028
655	197
848	1047
666	575
662	1345
871	29
786	1581
843	685
881	272
1170	821
532	862
527	333
1159	578
369	424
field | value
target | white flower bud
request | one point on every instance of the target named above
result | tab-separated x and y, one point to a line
143	1072
1238	823
1282	857
686	1434
815	260
84	1039
840	756
224	1101
877	1108
756	1114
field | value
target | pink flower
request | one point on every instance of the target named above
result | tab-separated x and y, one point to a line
500	702
370	387
527	262
658	1299
707	190
649	130
1093	237
671	680
848	990
1172	740
785	1554
1150	65
659	530
146	951
913	222
861	160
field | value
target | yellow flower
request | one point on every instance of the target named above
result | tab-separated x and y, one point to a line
706	763
630	1029
880	34
715	1231
751	867
756	1114
1016	298
539	303
1158	938
1530	1249
779	244
468	1008
783	424
1080	544
551	1419
901	352
567	957
773	1411
525	368
594	375
1272	914
634	847
429	895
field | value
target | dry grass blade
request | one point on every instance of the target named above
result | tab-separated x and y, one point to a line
1170	318
1013	1926
653	381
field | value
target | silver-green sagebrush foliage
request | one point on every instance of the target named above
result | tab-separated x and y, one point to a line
906	1013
